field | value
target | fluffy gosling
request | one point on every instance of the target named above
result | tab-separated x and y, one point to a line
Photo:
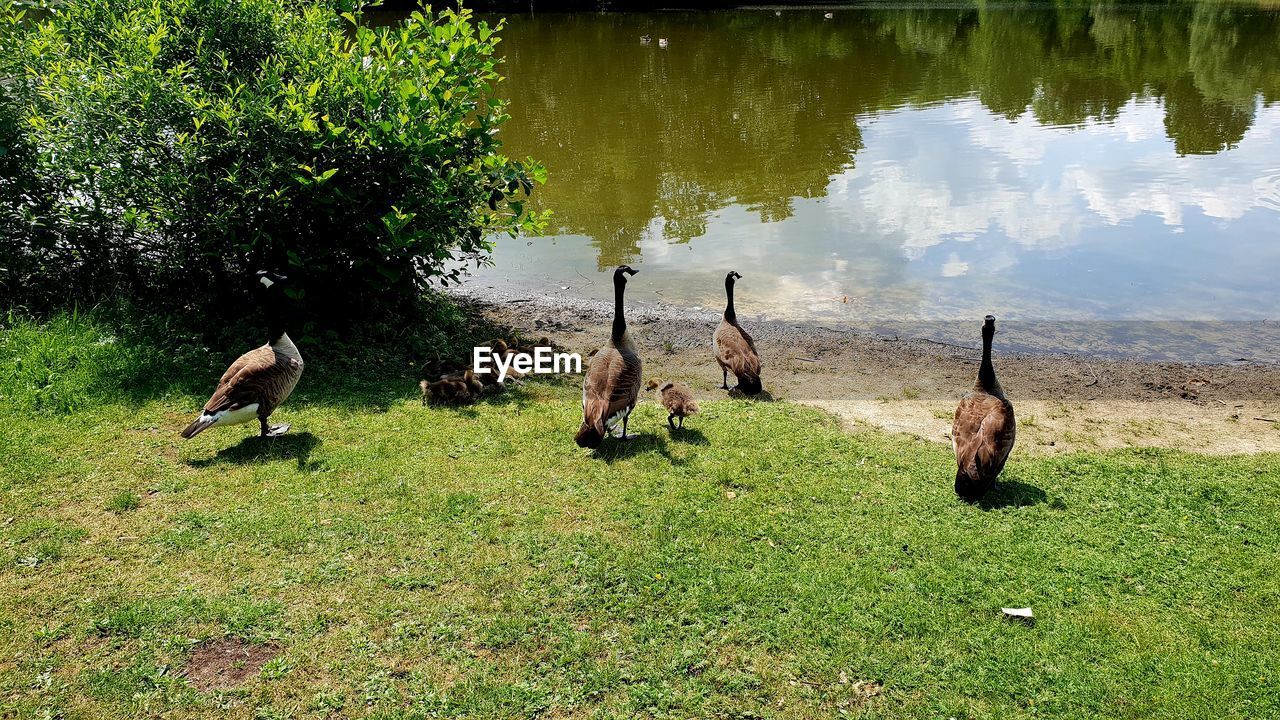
451	389
677	398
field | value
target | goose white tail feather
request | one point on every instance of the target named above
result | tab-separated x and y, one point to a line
201	424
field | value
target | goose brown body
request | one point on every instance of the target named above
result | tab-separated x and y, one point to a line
256	384
735	350
984	428
612	384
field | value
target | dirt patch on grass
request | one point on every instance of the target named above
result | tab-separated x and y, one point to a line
1063	402
226	663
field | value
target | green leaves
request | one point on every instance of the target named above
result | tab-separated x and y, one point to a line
242	133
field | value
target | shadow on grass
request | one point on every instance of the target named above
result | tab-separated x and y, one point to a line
512	399
614	449
255	449
1012	493
762	396
467	412
688	435
119	353
517	397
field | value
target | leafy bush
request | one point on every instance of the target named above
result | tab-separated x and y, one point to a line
179	145
20	192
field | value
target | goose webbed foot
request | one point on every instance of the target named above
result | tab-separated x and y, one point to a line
272	430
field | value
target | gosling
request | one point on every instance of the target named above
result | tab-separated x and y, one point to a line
677	398
489	378
451	389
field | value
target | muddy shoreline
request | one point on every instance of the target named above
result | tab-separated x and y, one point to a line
908	384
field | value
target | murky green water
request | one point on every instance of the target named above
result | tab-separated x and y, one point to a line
1101	162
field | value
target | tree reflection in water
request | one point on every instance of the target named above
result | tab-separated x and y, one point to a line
757	109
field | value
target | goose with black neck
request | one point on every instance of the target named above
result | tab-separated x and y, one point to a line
984	427
735	350
612	384
260	380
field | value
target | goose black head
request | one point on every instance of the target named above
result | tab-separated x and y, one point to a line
733	275
620	275
989	326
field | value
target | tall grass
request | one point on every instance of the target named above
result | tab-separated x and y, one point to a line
63	363
70	360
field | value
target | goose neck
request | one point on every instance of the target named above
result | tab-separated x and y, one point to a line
271	308
986	371
619	321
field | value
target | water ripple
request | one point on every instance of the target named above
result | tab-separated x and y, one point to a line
1268	188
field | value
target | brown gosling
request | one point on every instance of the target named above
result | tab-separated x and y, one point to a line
677	398
497	349
452	389
532	347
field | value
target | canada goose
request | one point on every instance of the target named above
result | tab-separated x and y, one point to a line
984	428
677	398
452	389
735	350
259	380
612	384
828	16
645	39
662	42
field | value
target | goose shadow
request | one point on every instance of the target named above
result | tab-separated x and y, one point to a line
467	412
614	449
762	396
689	436
1012	493
256	449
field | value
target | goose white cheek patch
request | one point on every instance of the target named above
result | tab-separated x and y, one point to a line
543	361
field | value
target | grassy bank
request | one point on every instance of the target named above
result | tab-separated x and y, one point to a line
472	562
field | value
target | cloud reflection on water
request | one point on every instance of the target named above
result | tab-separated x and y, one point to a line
1093	162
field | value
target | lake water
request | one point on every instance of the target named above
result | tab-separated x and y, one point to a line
888	167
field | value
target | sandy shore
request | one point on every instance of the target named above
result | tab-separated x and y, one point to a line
1063	402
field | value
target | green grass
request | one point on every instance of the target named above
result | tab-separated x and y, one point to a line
124	502
473	562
